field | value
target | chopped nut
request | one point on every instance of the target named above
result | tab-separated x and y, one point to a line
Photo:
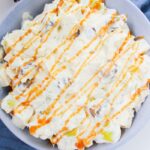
76	34
78	1
138	38
1	53
92	112
91	52
149	86
98	111
94	29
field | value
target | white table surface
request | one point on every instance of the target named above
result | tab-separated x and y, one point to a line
140	142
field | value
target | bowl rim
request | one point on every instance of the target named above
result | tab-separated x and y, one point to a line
13	129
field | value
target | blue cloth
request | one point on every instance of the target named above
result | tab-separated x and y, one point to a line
9	142
144	5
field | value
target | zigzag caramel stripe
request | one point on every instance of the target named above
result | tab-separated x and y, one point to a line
34	39
122	75
52	67
71	41
55	50
18	97
29	61
29	43
101	32
36	50
37	91
57	136
61	132
34	128
133	99
106	119
67	48
86	141
56	139
73	31
29	30
88	80
115	88
46	121
74	96
94	86
69	84
16	80
17	41
77	73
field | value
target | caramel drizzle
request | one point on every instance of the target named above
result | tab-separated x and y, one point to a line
94	86
93	135
62	44
70	43
77	97
75	76
30	44
122	75
37	91
101	32
30	41
29	31
133	98
34	128
56	49
20	38
118	52
67	86
25	75
59	57
106	119
63	131
74	96
111	105
85	84
79	90
76	112
17	97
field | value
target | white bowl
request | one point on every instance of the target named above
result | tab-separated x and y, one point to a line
139	25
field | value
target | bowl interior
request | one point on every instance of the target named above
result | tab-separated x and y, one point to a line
13	21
